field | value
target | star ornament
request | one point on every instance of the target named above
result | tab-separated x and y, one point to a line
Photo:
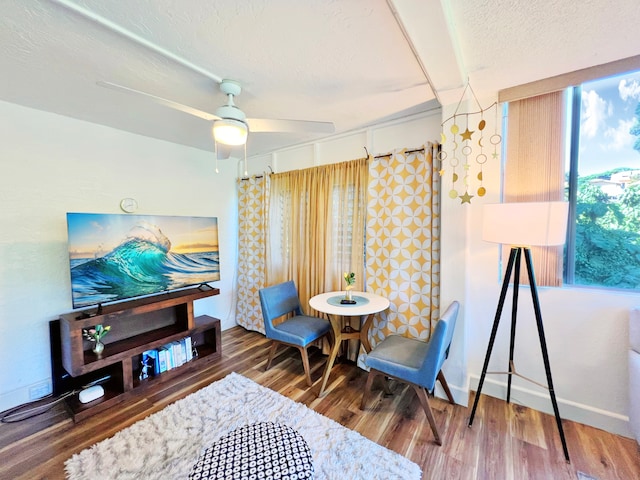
466	198
466	135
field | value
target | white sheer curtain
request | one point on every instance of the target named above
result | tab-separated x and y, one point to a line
316	227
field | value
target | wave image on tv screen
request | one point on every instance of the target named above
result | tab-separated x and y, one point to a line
114	257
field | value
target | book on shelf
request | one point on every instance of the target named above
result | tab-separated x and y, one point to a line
148	362
188	348
170	355
175	353
183	351
163	360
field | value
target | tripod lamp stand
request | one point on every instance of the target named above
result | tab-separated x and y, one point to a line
523	225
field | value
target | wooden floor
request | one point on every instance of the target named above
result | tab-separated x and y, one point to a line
506	441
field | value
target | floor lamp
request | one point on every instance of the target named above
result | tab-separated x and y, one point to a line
520	224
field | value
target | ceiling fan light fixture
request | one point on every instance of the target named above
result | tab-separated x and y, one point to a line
230	132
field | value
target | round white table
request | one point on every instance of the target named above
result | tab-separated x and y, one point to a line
366	304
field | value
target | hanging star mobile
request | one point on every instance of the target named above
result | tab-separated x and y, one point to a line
465	152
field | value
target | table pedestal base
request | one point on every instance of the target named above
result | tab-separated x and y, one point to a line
340	335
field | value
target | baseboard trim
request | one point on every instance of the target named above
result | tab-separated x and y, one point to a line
460	394
603	419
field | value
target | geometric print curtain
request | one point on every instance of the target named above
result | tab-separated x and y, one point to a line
253	203
403	242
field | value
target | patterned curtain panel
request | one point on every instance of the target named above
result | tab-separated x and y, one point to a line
253	203
403	242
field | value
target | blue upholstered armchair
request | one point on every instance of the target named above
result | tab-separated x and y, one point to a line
298	331
415	362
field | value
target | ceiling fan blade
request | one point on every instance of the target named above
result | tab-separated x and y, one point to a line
302	126
161	101
255	124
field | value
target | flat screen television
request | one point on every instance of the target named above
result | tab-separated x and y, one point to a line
114	257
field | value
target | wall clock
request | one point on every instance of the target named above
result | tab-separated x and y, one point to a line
128	205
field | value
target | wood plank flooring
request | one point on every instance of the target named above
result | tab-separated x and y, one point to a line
506	441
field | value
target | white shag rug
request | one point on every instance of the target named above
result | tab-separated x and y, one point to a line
168	443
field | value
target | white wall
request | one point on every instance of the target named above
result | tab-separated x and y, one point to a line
52	165
586	329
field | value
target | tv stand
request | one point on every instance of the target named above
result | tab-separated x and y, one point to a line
136	326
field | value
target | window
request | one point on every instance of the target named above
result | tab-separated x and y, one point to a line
603	183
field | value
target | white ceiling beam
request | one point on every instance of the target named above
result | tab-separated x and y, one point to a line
118	29
435	43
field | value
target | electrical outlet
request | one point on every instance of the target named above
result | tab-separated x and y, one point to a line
40	390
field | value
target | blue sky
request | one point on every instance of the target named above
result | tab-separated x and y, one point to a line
608	111
95	233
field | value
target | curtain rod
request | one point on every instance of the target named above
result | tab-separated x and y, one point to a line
408	151
257	176
365	149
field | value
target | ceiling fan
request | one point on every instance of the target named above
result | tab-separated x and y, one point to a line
230	124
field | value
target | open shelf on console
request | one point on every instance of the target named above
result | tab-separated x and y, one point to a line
136	326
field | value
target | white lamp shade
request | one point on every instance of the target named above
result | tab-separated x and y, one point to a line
525	224
230	131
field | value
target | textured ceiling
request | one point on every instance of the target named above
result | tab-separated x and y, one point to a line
350	62
508	42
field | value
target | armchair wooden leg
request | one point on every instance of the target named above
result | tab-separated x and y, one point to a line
272	352
305	363
445	386
367	388
424	400
386	388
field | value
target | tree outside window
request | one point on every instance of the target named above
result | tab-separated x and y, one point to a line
604	247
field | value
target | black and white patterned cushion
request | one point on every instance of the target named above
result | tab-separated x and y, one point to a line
257	451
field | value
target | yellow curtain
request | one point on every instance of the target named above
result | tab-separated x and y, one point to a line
253	202
403	242
316	227
534	169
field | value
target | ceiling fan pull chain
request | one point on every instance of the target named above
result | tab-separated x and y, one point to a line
215	152
246	173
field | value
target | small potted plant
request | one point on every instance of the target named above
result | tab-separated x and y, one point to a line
95	335
350	279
